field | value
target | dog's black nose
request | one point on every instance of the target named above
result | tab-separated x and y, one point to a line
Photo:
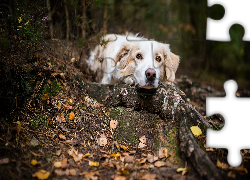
150	74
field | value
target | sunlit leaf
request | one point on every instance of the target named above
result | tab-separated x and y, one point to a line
196	130
113	124
33	162
58	164
181	169
93	163
41	174
71	116
102	141
45	96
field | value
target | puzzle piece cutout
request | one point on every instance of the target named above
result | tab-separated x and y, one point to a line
235	111
236	12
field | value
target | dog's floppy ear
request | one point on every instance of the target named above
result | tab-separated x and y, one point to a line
171	65
123	56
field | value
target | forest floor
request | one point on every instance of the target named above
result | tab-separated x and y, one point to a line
59	132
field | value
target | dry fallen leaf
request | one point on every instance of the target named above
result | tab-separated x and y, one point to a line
33	162
18	127
45	96
64	163
163	153
60	118
124	147
151	158
92	163
149	177
4	161
41	174
142	143
117	177
222	165
62	137
115	155
113	124
160	163
71	116
116	145
58	164
129	159
196	130
102	141
86	155
89	175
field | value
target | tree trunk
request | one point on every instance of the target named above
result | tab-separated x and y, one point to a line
105	14
84	13
51	28
67	20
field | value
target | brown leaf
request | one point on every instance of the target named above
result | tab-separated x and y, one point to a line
152	158
116	145
142	143
163	153
89	175
124	147
62	137
117	177
60	118
4	161
129	159
102	141
160	163
64	163
149	177
72	141
58	164
113	124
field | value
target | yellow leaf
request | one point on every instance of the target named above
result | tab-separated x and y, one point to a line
92	163
222	165
45	96
18	127
115	155
19	19
42	174
71	116
196	130
124	147
34	162
181	169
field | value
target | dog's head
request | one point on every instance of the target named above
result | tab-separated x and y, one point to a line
145	63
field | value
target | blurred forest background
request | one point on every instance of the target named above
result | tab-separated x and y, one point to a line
180	23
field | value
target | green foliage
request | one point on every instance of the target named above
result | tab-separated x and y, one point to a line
53	89
34	123
43	119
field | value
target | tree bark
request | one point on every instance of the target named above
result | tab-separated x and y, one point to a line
105	14
67	20
84	15
51	28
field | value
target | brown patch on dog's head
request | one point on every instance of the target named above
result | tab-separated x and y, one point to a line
171	65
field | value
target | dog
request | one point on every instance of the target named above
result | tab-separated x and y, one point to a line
133	60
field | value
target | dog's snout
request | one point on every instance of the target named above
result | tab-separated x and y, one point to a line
150	74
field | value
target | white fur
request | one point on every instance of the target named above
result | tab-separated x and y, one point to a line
110	65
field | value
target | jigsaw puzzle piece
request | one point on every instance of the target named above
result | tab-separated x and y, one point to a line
218	30
235	133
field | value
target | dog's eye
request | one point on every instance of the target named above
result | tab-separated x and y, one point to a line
158	58
139	56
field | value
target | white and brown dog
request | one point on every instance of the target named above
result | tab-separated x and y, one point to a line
133	60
